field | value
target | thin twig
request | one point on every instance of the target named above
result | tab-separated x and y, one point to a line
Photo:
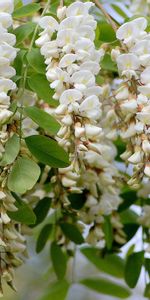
110	20
61	3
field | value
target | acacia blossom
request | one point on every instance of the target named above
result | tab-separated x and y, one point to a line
11	240
72	64
132	106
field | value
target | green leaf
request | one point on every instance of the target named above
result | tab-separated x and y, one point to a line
59	260
72	232
133	268
128	216
111	264
129	198
129	219
43	119
43	237
108	231
107	64
106	287
12	149
147	265
106	33
26	10
41	210
40	85
147	291
47	151
77	200
24	214
23	176
22	32
36	61
58	291
17	3
18	63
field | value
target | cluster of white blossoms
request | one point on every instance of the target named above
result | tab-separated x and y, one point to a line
11	240
7	56
72	65
132	99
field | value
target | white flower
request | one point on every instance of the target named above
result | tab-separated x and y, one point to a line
146	146
92	130
78	8
66	37
83	79
122	93
127	64
5	115
6	85
61	12
7	6
91	66
129	106
142	49
90	108
147	170
135	158
129	31
5	20
50	22
50	49
145	76
69	96
67	60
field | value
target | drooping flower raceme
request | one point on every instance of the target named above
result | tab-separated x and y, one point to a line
132	104
72	65
11	240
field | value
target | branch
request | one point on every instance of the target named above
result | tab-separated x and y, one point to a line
111	22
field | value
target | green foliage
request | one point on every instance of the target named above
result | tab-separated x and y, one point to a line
72	233
133	268
17	3
36	61
39	84
147	291
108	231
107	287
129	196
43	119
12	149
23	176
41	210
77	200
59	260
57	291
110	264
43	237
26	10
106	33
147	265
24	213
47	151
24	31
107	64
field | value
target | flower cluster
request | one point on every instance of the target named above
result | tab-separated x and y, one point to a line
11	240
7	55
72	64
132	104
